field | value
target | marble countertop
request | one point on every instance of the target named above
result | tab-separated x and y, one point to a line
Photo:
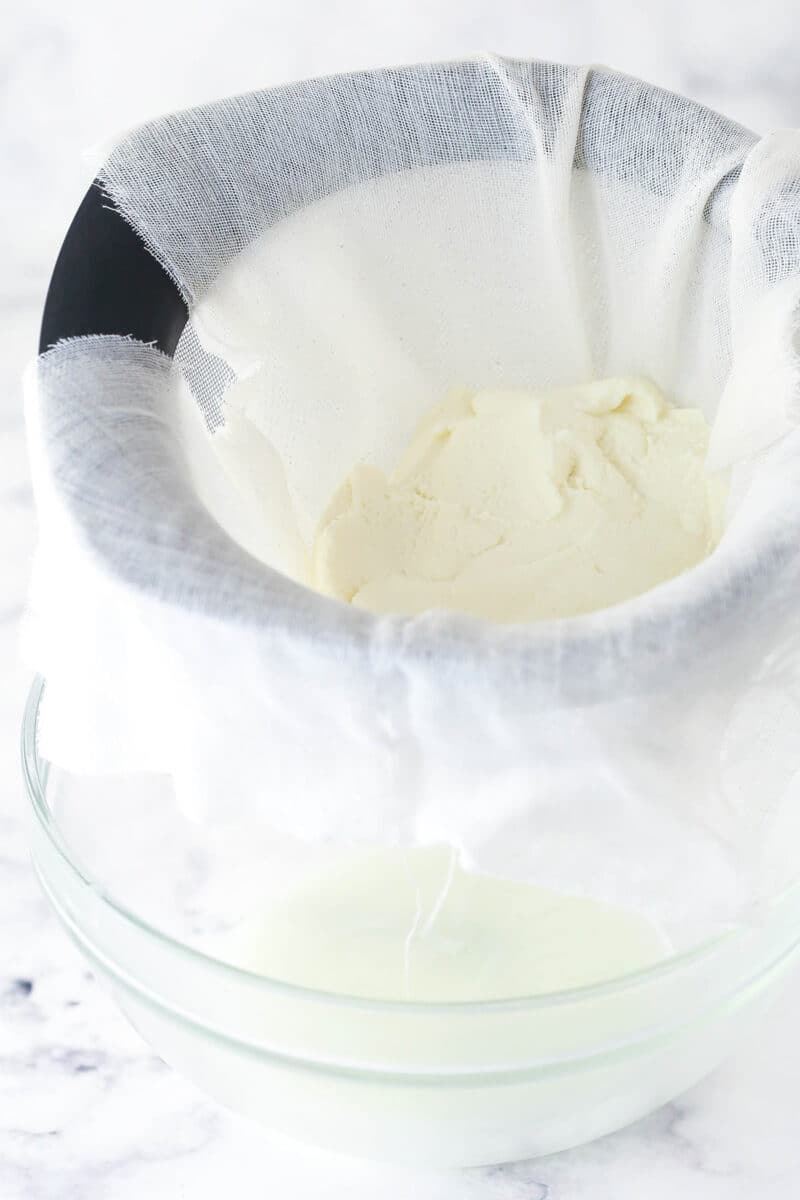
86	1111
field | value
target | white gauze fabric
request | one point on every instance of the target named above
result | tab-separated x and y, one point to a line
351	248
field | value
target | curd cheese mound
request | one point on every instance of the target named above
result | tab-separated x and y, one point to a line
519	506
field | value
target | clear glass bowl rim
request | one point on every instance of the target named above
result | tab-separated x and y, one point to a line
35	784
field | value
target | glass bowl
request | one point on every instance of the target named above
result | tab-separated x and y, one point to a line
147	898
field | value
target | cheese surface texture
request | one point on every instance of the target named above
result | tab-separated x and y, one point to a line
520	506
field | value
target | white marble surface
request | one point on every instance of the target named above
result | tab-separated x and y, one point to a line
86	1112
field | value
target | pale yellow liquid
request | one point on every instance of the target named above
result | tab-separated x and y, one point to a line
413	925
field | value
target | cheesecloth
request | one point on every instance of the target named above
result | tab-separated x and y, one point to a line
350	248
